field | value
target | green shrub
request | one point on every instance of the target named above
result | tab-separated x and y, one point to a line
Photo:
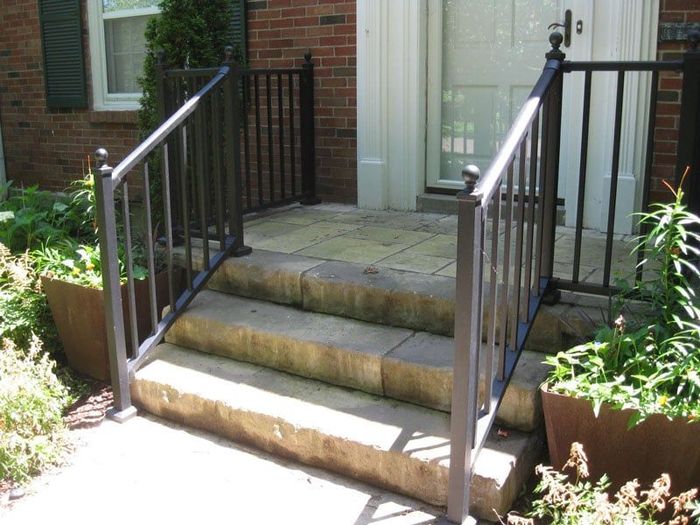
23	307
32	400
191	33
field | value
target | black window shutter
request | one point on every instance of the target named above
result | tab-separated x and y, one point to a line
64	63
238	28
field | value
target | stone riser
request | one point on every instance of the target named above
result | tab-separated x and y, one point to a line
389	297
389	361
390	444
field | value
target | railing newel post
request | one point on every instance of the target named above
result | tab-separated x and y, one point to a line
111	285
552	132
232	110
467	340
307	131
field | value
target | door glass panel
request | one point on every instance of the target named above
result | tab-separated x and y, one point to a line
492	55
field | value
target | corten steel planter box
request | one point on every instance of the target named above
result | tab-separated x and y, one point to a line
655	446
79	315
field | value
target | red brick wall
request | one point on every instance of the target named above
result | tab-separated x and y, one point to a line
279	33
669	99
44	146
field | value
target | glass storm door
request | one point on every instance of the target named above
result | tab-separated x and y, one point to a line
484	56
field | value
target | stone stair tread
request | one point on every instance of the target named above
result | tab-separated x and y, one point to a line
384	360
381	295
393	444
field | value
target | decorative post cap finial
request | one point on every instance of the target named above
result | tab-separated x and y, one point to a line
470	174
228	53
556	39
307	56
101	157
694	39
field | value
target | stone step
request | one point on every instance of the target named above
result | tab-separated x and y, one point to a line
394	362
384	296
394	445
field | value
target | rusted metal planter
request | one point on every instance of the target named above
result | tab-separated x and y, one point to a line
657	445
78	312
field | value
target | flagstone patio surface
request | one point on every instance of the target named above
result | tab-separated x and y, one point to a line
415	242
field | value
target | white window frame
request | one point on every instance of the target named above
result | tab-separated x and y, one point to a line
101	99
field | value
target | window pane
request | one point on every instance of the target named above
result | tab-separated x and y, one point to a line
119	5
125	45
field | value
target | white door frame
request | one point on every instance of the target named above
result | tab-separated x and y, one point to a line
391	95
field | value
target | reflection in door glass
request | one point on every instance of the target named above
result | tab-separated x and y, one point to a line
492	55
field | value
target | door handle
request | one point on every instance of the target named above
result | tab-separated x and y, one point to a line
567	27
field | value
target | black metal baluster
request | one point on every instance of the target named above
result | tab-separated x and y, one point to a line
280	111
505	292
246	138
270	145
168	218
531	197
493	294
258	159
520	214
217	146
292	136
583	165
541	196
614	178
200	175
647	167
185	209
149	250
131	293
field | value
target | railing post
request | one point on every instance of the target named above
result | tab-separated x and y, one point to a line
552	137
689	129
232	110
111	286
308	133
468	307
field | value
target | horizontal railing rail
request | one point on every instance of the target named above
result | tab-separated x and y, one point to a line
195	150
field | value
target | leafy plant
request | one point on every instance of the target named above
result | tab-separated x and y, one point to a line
31	217
32	400
581	502
653	365
23	307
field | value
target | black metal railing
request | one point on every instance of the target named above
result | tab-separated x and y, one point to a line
275	118
202	133
518	250
622	70
507	237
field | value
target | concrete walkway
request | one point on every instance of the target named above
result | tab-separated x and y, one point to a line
151	471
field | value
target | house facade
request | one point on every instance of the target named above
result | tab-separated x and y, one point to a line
406	91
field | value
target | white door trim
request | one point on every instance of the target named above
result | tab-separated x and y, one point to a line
391	84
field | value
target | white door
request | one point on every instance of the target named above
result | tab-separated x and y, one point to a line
484	58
